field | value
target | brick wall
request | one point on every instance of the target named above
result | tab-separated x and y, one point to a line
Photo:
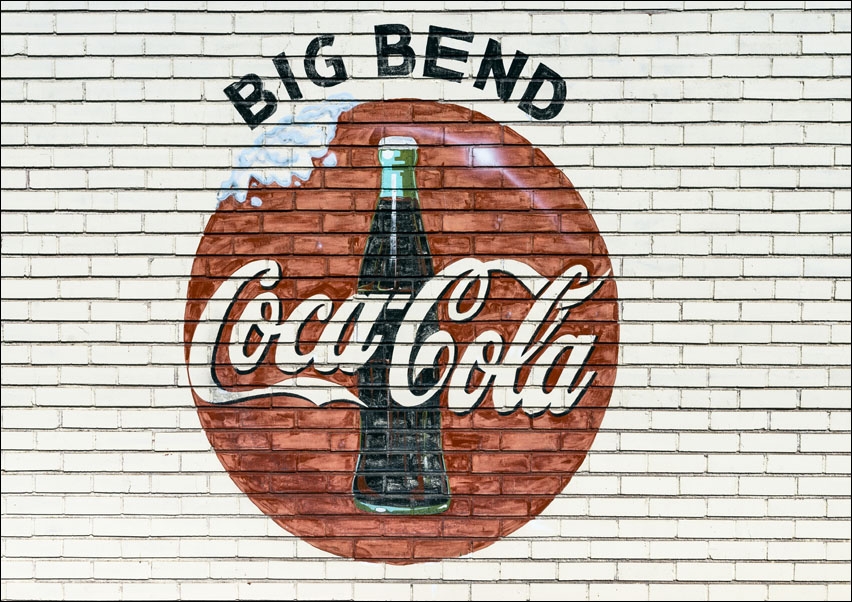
711	143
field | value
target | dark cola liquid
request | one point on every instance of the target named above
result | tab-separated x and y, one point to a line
401	463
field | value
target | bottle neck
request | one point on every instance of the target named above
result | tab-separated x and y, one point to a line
398	182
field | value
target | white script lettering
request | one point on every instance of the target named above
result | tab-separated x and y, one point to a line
517	372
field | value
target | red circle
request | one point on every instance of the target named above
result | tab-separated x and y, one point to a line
485	192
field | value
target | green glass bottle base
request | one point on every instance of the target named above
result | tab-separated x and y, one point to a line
401	510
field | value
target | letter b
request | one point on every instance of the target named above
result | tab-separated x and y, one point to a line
244	104
400	48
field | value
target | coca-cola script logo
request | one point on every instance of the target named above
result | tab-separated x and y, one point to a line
401	329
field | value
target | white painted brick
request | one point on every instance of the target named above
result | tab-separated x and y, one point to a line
610	591
715	165
683	156
654	89
553	591
646	571
620	23
679	22
587	571
648	45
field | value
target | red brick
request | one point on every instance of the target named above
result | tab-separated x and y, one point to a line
268	418
578	440
512	200
500	506
340	483
228	440
365	200
327	200
562	244
491	463
517	244
219	418
321	245
430	111
267	462
330	461
529	222
441	244
510	136
254	482
231	461
340	546
451	420
383	548
426	548
314	505
456	177
305	266
297	439
460	505
413	526
242	223
565	199
429	178
269	244
347	222
471	527
325	416
475	485
426	134
364	156
471	222
472	440
275	223
432	222
533	484
484	418
352	177
276	504
539	159
306	527
561	462
362	525
599	246
275	198
446	200
298	483
540	177
530	440
474	133
346	266
502	156
449	156
334	288
344	441
457	462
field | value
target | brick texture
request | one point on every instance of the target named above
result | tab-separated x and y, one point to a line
711	144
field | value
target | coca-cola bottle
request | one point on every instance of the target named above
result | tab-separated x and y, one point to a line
401	466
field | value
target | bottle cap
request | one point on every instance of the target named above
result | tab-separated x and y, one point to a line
398	142
398	151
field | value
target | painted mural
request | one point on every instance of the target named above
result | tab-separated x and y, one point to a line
401	329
